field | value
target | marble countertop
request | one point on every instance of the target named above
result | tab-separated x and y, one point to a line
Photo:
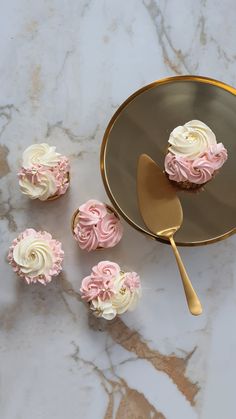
65	67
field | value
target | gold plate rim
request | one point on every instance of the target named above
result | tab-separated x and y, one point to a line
166	80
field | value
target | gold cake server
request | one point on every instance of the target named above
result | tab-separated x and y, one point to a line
162	213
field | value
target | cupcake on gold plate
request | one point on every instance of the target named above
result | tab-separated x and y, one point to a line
44	174
194	157
96	226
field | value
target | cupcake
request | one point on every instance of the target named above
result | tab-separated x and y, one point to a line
96	226
44	173
109	291
194	157
35	256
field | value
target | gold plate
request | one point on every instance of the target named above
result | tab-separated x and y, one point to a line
142	124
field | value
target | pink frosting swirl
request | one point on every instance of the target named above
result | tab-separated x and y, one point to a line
92	288
177	168
97	226
132	281
92	212
101	281
197	171
102	288
89	290
106	270
110	231
87	237
201	171
217	155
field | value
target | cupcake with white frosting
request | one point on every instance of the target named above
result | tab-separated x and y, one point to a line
194	156
96	226
35	256
109	291
44	174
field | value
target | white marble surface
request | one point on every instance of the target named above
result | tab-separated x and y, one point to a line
65	66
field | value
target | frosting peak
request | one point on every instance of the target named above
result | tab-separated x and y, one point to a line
92	212
106	270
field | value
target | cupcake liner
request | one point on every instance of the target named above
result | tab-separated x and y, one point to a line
187	186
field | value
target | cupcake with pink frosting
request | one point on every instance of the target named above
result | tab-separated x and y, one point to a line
96	226
35	256
44	174
109	291
194	157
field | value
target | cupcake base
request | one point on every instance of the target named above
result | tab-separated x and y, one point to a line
188	186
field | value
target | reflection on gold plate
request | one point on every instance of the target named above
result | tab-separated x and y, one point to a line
142	124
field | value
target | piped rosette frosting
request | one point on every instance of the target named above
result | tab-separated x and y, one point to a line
44	174
194	156
35	256
109	291
96	226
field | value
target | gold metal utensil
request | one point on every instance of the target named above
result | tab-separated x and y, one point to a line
162	213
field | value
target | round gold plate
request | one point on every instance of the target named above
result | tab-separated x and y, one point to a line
142	124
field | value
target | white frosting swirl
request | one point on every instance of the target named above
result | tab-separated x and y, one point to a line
103	309
191	140
42	190
34	256
124	299
43	154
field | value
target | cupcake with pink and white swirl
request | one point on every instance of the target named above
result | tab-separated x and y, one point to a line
109	291
96	226
44	174
35	256
194	156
